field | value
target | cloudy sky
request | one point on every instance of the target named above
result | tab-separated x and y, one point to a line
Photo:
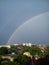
13	13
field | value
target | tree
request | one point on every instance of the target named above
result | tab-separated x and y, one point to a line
22	59
34	50
46	51
10	63
3	50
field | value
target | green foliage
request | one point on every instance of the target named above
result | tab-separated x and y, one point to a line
4	63
12	49
3	50
34	50
46	51
22	58
10	63
26	49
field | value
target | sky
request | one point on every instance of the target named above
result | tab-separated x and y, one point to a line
34	30
14	13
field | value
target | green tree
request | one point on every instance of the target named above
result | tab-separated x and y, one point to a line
22	59
26	48
3	50
10	63
46	51
34	50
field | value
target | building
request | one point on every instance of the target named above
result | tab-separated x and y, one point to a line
8	46
27	44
